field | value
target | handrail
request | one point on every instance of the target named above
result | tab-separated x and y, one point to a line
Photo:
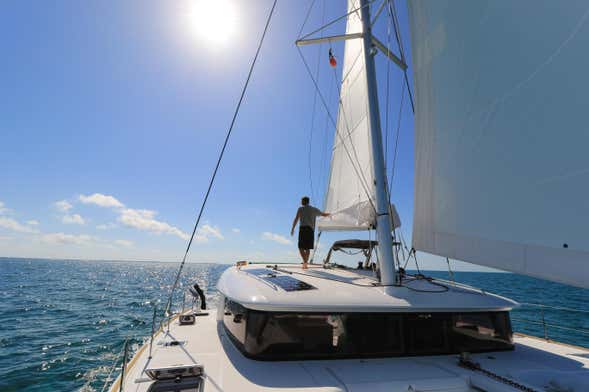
112	369
183	301
580	330
545	325
555	307
124	365
152	329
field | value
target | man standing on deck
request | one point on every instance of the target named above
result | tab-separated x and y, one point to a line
306	214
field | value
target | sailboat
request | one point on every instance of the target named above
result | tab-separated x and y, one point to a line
499	167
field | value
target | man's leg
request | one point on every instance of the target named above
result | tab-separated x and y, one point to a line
306	258
302	252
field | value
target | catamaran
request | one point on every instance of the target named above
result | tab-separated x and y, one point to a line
500	181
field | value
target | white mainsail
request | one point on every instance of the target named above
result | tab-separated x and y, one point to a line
351	193
501	134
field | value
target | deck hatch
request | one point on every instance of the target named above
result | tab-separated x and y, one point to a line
285	282
174	372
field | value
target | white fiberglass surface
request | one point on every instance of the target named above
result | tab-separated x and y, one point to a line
344	290
501	162
534	362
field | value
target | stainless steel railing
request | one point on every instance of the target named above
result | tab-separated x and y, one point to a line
124	365
164	323
546	325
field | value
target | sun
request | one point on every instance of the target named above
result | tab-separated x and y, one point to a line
214	20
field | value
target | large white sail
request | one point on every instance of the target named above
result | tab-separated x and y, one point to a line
502	134
351	192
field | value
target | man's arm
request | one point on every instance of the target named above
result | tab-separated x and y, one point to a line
321	213
294	222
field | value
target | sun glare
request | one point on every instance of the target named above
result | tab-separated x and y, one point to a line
214	20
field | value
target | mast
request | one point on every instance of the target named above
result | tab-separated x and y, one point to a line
383	220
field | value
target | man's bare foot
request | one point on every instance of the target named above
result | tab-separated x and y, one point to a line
305	266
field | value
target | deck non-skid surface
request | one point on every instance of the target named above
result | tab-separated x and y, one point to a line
536	363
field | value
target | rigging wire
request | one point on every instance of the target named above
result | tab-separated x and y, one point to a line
357	170
395	152
386	143
393	13
310	150
212	180
336	20
317	70
450	272
306	18
325	168
322	98
342	110
316	247
403	244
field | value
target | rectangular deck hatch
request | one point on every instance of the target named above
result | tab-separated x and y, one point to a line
285	282
187	384
174	372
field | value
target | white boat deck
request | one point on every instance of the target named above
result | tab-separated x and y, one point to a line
350	290
538	364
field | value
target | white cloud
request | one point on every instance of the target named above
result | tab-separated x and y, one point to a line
145	220
208	231
3	208
62	239
32	222
74	219
13	225
236	230
276	238
63	205
101	200
106	226
125	243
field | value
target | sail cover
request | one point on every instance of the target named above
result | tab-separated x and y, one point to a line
351	193
502	134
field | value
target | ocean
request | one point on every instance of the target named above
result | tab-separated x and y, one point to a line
63	322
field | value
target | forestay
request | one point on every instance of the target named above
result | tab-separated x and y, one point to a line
351	192
501	138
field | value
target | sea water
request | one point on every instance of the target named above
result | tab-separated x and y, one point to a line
63	323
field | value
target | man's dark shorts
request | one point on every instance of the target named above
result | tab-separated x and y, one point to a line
306	237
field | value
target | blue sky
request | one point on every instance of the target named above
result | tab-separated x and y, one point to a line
113	113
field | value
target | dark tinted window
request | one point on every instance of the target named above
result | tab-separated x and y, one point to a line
481	331
321	335
272	335
283	336
427	333
235	320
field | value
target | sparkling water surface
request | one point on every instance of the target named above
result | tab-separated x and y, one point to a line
63	323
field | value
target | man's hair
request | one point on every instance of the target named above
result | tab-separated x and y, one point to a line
305	200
